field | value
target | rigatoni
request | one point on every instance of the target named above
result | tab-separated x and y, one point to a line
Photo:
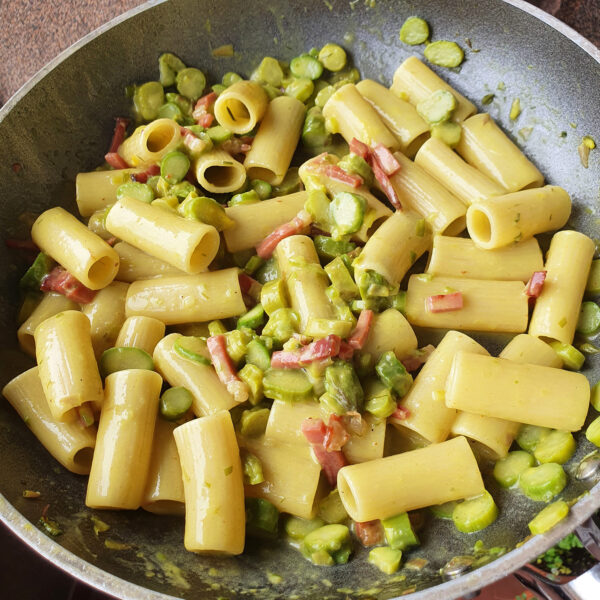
68	241
218	172
149	143
98	189
184	244
135	264
241	106
124	444
213	485
140	332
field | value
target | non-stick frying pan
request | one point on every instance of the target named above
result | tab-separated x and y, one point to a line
61	122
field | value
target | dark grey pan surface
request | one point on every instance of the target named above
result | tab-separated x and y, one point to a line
63	125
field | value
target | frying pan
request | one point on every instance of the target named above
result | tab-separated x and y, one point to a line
61	122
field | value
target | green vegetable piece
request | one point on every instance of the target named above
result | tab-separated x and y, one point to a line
138	191
230	78
592	433
183	189
250	197
282	324
268	272
530	436
445	510
289	385
548	517
262	518
448	132
385	559
346	212
438	107
306	66
589	318
556	447
218	134
398	532
398	301
174	166
317	205
314	134
170	110
488	99
262	188
49	526
291	183
352	163
444	54
185	106
414	31
595	396
168	66
237	342
41	266
257	354
571	357
269	71
298	528
508	469
343	386
175	402
253	319
191	83
341	279
331	509
544	482
393	374
328	249
372	284
380	401
254	421
475	514
206	210
147	100
341	308
253	264
593	282
301	89
193	348
273	296
327	545
323	95
252	376
332	57
252	469
216	328
120	359
515	109
218	88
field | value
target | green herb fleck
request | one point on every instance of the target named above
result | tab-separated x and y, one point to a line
488	99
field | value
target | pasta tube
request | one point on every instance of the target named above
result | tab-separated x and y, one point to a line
525	393
467	183
276	140
135	264
213	485
67	365
241	106
461	257
452	474
399	116
393	249
285	420
218	172
69	242
98	189
368	444
141	332
50	305
422	193
254	222
349	114
106	313
486	147
428	415
122	456
187	299
504	220
149	143
71	444
499	306
415	81
294	490
527	349
163	494
210	395
567	267
186	245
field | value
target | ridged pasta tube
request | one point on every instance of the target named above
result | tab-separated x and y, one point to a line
141	332
81	252
218	172
213	485
276	140
135	264
186	245
124	443
504	220
241	106
149	143
71	444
